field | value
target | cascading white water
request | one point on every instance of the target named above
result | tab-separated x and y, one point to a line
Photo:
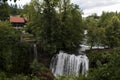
66	64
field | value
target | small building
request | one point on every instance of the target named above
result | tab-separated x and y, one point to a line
17	22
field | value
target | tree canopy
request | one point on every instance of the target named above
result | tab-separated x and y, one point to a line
55	29
4	11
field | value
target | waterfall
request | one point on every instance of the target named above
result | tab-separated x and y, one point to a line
66	64
35	51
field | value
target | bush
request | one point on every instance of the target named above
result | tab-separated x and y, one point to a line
3	76
14	54
72	77
109	70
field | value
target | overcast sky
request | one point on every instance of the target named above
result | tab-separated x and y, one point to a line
91	6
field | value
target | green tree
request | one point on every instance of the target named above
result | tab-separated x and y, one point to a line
14	54
31	10
92	31
105	17
56	30
4	11
72	25
96	35
15	10
113	32
101	37
8	35
49	27
33	13
8	38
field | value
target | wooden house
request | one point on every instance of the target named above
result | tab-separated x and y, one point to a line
17	22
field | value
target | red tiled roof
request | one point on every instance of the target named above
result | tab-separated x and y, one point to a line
17	19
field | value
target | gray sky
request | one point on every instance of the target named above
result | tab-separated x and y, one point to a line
91	6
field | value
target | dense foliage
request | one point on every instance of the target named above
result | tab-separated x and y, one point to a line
57	25
3	76
103	31
7	10
106	64
14	54
4	11
15	10
55	30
